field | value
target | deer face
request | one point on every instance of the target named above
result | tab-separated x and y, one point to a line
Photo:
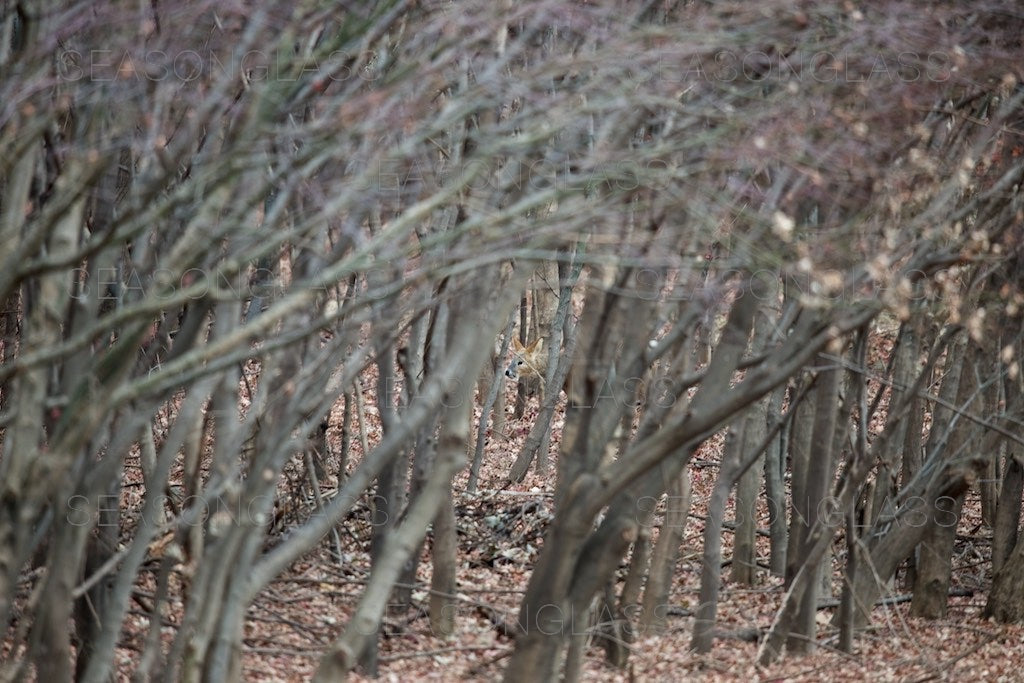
527	361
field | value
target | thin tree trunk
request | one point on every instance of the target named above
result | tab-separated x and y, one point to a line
903	368
711	560
913	451
934	555
442	580
1006	599
817	542
639	561
741	321
663	561
494	396
820	468
989	489
801	427
1005	532
343	654
744	557
775	491
755	431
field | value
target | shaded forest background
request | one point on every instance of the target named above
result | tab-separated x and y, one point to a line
262	263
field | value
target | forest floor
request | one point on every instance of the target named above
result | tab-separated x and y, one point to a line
501	532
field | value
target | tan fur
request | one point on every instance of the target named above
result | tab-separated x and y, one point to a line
528	362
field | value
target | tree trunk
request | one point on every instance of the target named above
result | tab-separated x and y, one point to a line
903	368
800	431
1006	599
736	331
989	489
94	605
905	533
406	537
389	499
775	490
744	556
1005	532
755	431
546	607
442	581
816	544
935	553
820	469
711	560
639	560
914	450
663	560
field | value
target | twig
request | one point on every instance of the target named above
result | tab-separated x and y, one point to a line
488	492
476	669
898	599
439	651
731	525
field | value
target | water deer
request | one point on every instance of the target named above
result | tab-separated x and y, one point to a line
529	364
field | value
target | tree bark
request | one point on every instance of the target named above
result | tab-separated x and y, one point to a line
442	580
398	546
1005	533
775	491
820	468
744	557
935	553
711	559
654	608
1006	599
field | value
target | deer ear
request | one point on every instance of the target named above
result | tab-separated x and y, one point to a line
535	346
516	346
